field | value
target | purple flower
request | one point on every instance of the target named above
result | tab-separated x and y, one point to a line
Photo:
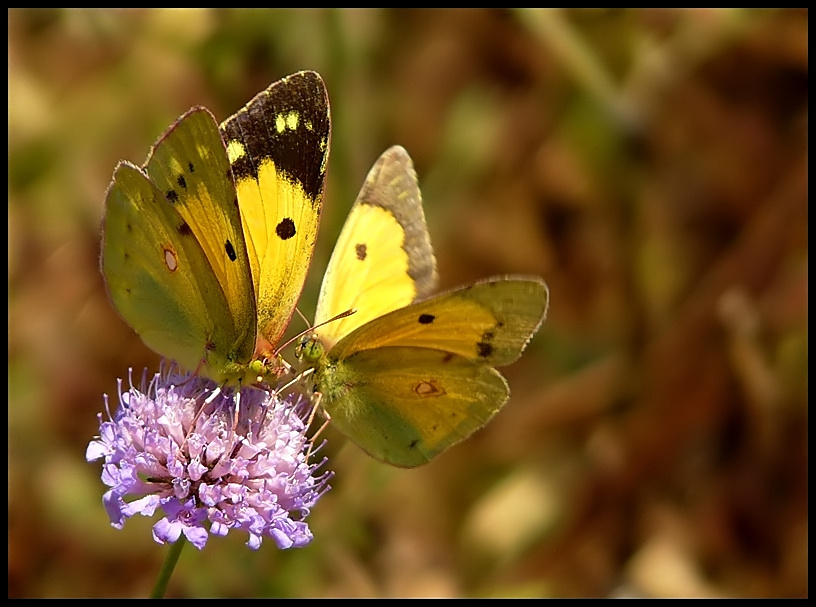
174	446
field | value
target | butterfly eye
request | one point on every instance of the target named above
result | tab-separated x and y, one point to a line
309	348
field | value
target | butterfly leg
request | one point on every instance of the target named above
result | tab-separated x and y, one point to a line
293	381
316	398
288	368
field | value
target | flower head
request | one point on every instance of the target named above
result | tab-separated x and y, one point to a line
175	445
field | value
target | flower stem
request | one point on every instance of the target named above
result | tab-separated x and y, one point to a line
167	568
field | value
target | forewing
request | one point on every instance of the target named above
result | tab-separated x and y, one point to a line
383	259
189	165
156	273
278	145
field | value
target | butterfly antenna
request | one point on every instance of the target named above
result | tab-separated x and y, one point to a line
303	318
325	322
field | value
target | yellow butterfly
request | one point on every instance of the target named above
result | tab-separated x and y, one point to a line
205	248
406	376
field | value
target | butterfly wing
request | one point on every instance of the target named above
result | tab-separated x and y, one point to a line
156	272
189	165
383	259
278	146
413	382
405	405
489	321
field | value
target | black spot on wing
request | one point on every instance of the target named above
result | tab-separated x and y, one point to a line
184	229
362	251
182	182
426	319
230	251
285	229
172	196
296	153
485	349
484	346
191	167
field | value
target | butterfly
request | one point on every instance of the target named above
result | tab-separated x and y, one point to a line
407	375
205	248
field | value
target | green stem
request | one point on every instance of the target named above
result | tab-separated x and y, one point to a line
167	568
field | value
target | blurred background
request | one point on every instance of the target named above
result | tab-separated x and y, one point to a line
650	165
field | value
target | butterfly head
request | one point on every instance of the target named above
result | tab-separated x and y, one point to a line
268	371
310	349
312	346
260	371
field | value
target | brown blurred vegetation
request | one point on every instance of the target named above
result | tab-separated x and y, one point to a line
651	165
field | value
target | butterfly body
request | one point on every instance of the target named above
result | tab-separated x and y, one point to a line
409	375
411	383
205	248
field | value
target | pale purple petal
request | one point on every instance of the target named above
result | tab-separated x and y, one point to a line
165	531
174	446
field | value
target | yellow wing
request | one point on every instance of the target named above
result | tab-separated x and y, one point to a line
158	275
489	321
189	165
409	384
278	146
404	405
383	259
